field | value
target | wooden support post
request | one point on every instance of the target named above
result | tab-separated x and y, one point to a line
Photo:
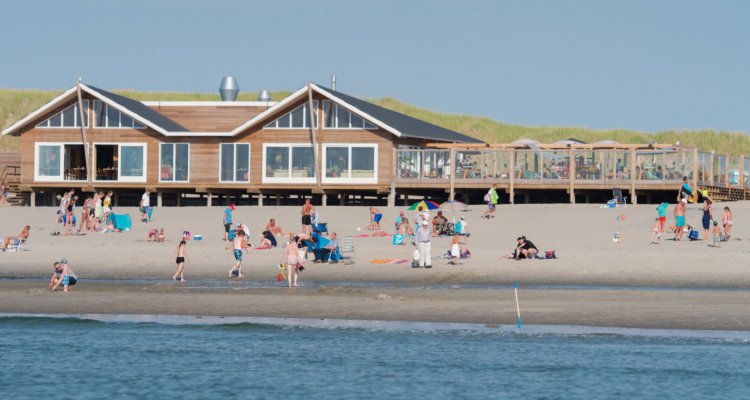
453	173
391	199
208	199
260	199
741	178
313	135
33	199
572	175
633	176
324	200
341	199
695	168
511	188
711	169
278	199
179	199
158	199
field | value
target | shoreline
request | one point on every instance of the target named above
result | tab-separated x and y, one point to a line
657	309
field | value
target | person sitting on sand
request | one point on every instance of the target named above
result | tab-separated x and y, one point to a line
375	217
524	249
438	224
67	277
268	240
152	234
405	228
16	240
273	228
181	255
399	220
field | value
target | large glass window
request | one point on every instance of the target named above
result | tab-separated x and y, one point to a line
338	117
350	163
174	163
235	162
289	163
67	118
107	116
297	118
131	161
121	162
60	162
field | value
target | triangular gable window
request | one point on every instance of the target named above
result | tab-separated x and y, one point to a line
338	117
67	118
107	116
297	118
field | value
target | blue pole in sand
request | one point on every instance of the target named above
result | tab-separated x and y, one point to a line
518	307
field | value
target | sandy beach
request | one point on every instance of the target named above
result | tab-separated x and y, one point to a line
681	285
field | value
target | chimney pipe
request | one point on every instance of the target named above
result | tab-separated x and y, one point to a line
229	88
333	82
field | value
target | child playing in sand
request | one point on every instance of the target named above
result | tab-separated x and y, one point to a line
237	252
181	252
717	234
66	277
160	236
656	231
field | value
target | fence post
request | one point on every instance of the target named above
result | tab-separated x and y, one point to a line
633	175
572	174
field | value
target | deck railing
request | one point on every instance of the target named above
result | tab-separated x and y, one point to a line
632	167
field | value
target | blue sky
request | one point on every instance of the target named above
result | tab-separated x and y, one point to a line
637	64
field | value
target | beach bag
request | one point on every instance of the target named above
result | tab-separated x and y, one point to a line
486	197
549	254
398	239
693	235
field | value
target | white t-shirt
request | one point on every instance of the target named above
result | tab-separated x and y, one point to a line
146	200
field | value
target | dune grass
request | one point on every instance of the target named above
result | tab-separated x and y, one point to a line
15	104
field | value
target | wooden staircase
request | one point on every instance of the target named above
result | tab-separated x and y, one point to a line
718	193
10	173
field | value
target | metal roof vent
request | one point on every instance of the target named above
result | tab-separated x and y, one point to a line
229	89
264	96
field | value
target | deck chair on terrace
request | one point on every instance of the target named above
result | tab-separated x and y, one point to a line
617	195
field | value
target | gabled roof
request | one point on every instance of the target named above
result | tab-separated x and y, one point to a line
132	108
396	123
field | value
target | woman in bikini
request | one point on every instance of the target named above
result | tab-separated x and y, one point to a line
726	220
181	252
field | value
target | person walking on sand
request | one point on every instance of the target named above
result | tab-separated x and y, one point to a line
679	218
656	231
424	245
181	253
307	210
661	209
145	205
726	221
67	277
291	259
227	221
706	220
236	247
491	199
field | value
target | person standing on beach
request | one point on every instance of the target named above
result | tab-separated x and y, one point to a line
423	237
661	209
726	220
67	277
145	205
237	253
181	253
679	218
307	210
227	221
291	259
706	220
491	199
375	217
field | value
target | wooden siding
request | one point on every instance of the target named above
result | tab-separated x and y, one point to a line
209	118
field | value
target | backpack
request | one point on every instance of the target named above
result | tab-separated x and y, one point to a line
549	254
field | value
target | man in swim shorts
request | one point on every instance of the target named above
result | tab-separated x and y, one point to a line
375	217
307	210
67	277
237	253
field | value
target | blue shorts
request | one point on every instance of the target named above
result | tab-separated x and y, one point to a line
69	280
680	221
377	217
238	255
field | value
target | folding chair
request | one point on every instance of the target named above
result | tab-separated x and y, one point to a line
321	227
347	246
617	195
15	246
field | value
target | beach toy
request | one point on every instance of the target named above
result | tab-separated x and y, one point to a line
186	235
198	237
621	217
518	306
616	238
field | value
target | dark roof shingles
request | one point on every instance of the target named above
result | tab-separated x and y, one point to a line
408	126
144	111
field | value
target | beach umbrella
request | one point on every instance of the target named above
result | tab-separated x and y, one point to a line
426	205
454	206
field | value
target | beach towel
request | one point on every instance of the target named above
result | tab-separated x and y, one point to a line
389	261
263	247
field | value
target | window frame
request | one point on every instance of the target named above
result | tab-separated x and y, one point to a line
76	117
364	126
290	178
174	162
349	179
136	124
316	121
61	177
119	145
234	162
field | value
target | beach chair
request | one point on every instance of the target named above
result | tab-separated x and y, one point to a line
15	246
617	195
347	247
321	227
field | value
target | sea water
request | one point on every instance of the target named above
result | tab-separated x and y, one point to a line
94	357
